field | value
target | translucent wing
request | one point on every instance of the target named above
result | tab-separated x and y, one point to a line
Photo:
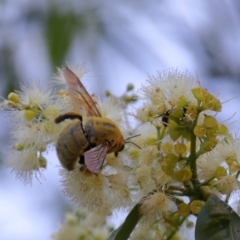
79	95
95	157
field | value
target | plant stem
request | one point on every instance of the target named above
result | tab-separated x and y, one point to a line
192	157
176	229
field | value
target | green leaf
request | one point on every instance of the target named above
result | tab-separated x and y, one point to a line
217	221
60	30
124	231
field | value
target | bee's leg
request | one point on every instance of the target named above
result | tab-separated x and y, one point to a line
116	154
81	160
68	115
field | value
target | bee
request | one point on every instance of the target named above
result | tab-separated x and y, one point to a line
166	115
91	142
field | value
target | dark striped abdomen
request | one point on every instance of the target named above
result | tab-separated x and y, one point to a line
71	144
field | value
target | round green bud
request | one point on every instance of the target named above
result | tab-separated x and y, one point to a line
170	159
210	102
196	206
180	148
182	101
183	210
209	121
175	134
13	97
192	111
210	144
212	133
130	87
199	131
29	115
18	146
217	105
177	112
108	93
184	174
199	93
222	129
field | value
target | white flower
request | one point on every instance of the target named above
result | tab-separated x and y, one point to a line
156	205
168	87
96	191
207	165
228	150
25	164
32	128
78	226
177	84
227	184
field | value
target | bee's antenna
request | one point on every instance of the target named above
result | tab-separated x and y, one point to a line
132	137
132	142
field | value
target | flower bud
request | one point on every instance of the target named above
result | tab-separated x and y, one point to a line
174	130
13	97
42	161
192	111
18	146
199	131
217	105
130	87
210	144
170	159
208	102
180	148
209	121
182	101
199	93
183	210
29	115
177	112
184	174
222	129
196	206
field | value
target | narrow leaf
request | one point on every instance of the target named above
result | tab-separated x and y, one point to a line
124	231
217	220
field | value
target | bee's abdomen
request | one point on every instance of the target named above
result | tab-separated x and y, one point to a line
71	144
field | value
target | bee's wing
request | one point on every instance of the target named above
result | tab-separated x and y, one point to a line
79	95
95	157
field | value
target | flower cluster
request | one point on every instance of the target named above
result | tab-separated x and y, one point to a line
83	225
31	113
181	153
